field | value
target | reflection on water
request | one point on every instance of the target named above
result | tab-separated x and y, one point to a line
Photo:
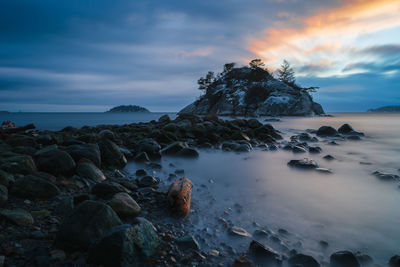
350	209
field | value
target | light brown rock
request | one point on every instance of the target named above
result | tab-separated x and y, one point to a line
179	196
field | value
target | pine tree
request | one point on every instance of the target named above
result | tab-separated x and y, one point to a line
286	73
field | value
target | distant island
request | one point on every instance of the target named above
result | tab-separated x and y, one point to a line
4	112
386	109
129	108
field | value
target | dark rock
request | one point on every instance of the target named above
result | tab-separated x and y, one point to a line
154	165
298	149
264	254
126	245
88	222
266	133
34	187
142	157
243	148
164	119
329	157
150	146
148	181
394	261
345	129
343	259
303	163
254	123
188	152
301	260
364	259
6	179
242	261
107	134
106	190
17	216
22	164
86	151
141	172
22	140
174	148
179	197
111	154
86	169
56	162
124	205
326	131
3	195
385	176
188	242
27	150
353	137
314	149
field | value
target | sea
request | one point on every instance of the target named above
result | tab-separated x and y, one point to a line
348	209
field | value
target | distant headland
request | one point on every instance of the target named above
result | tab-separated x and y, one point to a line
4	112
128	108
386	109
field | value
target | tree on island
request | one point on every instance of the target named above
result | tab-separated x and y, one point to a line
256	63
286	75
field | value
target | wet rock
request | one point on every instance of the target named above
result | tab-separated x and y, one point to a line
266	133
323	244
188	242
124	205
179	197
323	170
86	151
86	169
34	187
329	157
111	154
301	260
228	146
239	231
18	216
343	259
303	164
385	176
243	148
242	261
164	119
22	164
188	152
150	146
353	137
254	123
141	172
25	150
298	149
88	222
345	129
174	148
394	261
6	179
326	131
126	245
22	140
261	233
314	149
56	162
154	165
107	189
107	134
264	254
148	181
142	157
3	195
364	259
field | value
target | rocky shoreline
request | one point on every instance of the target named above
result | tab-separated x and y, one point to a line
66	200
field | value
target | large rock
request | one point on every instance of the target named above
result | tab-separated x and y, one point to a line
88	222
326	131
108	189
343	259
34	187
124	205
21	164
111	154
303	163
179	197
86	169
188	152
126	245
18	216
56	162
394	261
6	179
264	255
150	146
87	151
174	148
3	195
245	90
301	260
22	140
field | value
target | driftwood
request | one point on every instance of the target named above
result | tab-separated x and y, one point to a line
5	132
179	196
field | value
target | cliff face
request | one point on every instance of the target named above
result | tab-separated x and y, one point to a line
247	91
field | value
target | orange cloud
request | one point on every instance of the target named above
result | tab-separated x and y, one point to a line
328	31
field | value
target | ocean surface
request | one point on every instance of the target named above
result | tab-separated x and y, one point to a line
349	209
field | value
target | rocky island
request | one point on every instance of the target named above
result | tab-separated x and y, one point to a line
386	109
129	108
252	90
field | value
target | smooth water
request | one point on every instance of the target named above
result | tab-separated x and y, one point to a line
350	208
58	120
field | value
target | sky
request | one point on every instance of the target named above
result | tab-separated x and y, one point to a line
91	55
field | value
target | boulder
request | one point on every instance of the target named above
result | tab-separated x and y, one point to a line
254	123
86	169
188	152
174	148
111	155
3	195
86	151
301	260
343	259
106	190
394	261
345	129
56	162
164	119
148	181
263	254
21	164
179	196
150	146
126	245
17	216
303	164
88	222
266	132
34	187
6	179
327	131
107	134
124	205
22	140
142	157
